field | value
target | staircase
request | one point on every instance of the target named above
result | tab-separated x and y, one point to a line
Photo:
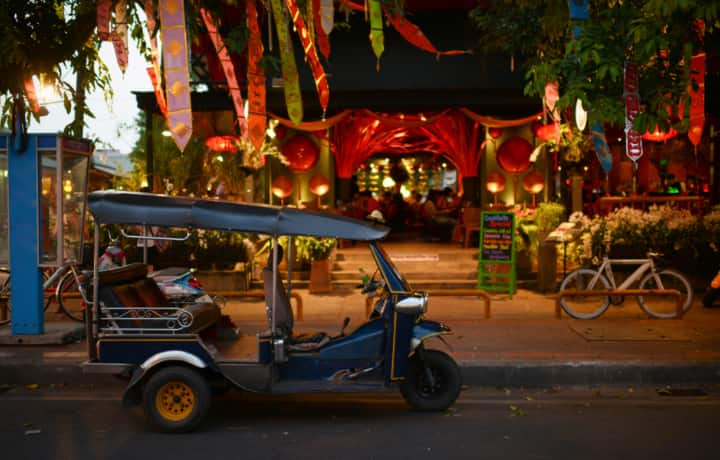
425	265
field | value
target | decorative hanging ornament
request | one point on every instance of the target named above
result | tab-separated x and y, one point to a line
327	16
494	132
103	19
119	35
697	99
513	156
633	139
227	144
291	80
301	153
601	147
659	136
377	36
257	119
580	115
282	188
172	19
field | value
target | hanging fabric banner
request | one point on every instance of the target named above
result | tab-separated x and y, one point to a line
318	72
175	56
492	122
257	120
32	95
697	99
327	16
159	97
633	139
228	69
150	16
413	35
291	80
103	19
312	126
322	37
601	147
119	35
377	37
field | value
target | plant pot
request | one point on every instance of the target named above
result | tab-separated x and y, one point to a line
320	277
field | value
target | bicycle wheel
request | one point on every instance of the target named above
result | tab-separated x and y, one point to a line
74	308
585	306
5	294
665	306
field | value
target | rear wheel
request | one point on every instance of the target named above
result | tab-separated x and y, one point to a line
176	399
665	307
431	383
585	306
74	308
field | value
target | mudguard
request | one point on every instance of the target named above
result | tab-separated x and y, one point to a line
426	329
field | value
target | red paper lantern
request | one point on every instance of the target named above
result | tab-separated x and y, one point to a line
547	132
535	127
282	187
495	182
513	156
533	182
319	184
301	153
659	136
222	143
495	132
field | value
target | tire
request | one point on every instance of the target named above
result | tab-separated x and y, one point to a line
416	390
585	307
176	399
67	284
665	307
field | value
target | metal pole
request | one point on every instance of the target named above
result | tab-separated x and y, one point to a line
92	312
59	218
274	287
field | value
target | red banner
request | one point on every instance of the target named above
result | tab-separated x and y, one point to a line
257	121
103	19
228	69
697	99
159	97
119	35
633	139
415	36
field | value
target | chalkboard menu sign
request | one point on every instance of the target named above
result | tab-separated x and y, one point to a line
496	237
496	267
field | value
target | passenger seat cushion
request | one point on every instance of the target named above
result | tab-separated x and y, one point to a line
204	315
150	293
124	274
127	296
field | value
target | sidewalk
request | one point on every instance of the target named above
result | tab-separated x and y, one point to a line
521	344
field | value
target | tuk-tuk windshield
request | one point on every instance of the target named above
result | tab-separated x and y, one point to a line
396	281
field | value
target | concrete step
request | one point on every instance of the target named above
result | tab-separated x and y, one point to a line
355	275
423	284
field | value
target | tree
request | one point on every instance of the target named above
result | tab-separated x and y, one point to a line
659	35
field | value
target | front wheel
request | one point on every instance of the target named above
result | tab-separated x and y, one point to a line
585	306
665	307
74	310
433	382
176	399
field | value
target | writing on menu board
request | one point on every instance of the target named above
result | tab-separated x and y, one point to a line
497	236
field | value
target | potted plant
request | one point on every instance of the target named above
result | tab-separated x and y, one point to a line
318	251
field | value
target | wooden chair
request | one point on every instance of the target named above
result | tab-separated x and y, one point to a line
470	222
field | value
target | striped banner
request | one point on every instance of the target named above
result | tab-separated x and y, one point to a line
175	55
318	72
633	139
601	147
228	69
257	119
293	96
119	35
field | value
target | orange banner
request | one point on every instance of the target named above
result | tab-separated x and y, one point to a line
257	121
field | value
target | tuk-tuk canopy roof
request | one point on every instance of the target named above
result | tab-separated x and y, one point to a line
114	207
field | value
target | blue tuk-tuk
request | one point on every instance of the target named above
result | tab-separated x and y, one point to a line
173	360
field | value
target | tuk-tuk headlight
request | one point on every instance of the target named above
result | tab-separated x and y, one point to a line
414	304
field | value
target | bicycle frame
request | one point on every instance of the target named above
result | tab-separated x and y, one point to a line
606	267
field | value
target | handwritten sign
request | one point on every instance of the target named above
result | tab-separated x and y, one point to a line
496	268
497	236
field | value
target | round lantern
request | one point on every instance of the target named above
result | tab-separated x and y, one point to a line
547	132
319	185
534	183
222	143
659	136
513	156
301	153
495	132
282	188
495	183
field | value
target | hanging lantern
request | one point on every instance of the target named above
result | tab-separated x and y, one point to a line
495	133
547	132
301	153
659	136
513	156
495	183
534	183
282	188
222	144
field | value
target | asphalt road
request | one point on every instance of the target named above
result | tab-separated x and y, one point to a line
486	423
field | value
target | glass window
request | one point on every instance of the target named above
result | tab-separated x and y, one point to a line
4	211
48	207
74	186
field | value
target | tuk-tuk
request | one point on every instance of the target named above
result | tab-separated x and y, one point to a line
173	362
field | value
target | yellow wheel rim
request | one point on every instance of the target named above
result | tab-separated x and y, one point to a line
175	401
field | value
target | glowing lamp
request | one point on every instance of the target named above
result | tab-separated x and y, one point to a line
659	136
547	132
495	183
534	183
319	185
495	132
67	186
282	188
222	143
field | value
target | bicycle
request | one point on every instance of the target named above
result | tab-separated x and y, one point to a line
70	279
587	279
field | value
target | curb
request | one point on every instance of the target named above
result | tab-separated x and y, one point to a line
533	374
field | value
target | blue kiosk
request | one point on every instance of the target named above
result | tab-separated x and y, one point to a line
43	195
